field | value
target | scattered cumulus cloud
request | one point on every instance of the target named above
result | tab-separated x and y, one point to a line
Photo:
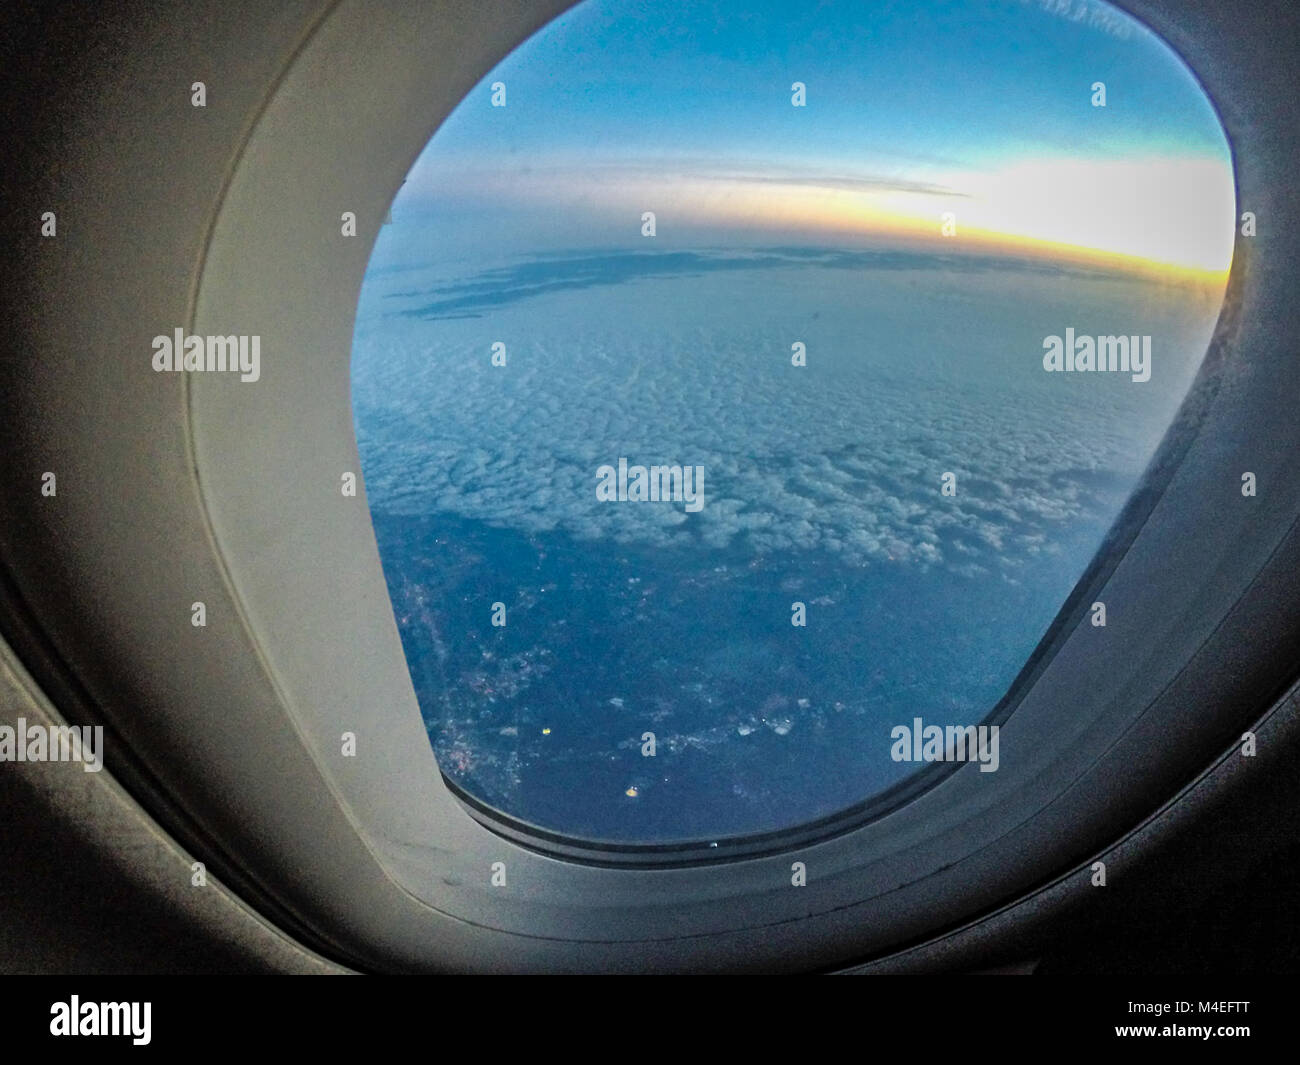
915	368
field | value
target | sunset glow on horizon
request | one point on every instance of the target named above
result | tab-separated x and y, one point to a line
982	115
1145	213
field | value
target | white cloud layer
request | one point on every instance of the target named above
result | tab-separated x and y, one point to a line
910	374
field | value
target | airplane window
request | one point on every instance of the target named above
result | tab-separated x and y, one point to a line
742	388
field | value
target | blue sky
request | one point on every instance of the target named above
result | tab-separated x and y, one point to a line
916	107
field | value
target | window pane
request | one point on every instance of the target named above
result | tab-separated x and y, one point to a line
891	303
